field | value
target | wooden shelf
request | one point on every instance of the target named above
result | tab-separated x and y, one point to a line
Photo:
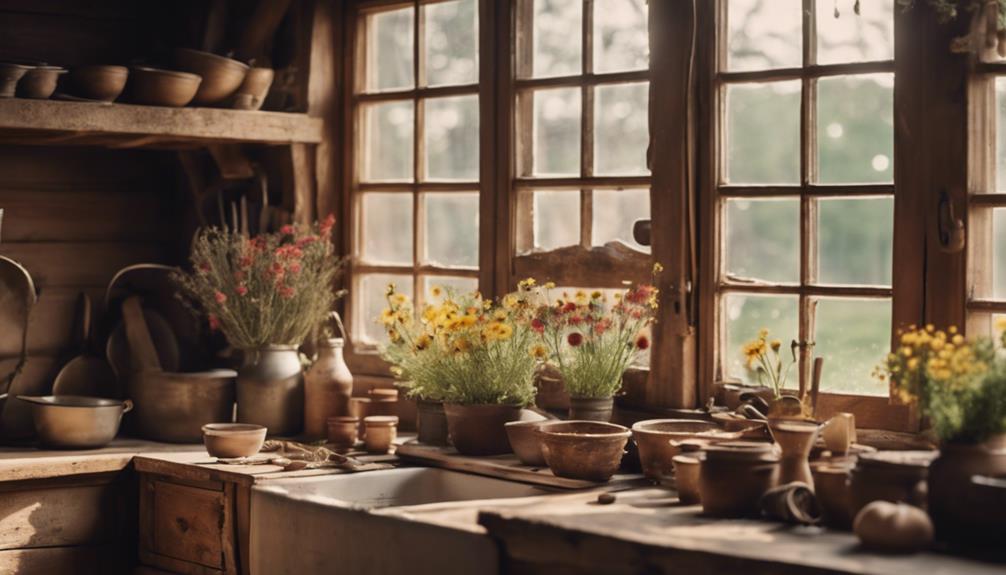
46	122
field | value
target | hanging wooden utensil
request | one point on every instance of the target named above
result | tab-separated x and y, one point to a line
87	373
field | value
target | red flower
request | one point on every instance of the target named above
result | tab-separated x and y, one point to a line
289	251
575	339
245	262
537	325
286	230
602	326
570	306
641	294
286	292
242	290
220	297
214	323
642	342
575	320
203	268
306	240
294	268
326	226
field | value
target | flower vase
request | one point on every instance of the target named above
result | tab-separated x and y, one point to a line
480	429
270	389
328	385
590	409
795	439
953	502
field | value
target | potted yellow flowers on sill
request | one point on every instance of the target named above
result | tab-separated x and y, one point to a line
476	356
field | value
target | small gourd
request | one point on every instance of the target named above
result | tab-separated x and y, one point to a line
893	527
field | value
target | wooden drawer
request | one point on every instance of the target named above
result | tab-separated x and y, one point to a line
187	527
57	516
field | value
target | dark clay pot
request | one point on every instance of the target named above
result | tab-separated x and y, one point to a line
954	503
586	409
734	476
479	429
431	422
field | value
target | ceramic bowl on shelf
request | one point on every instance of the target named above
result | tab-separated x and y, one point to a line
99	82
657	441
233	440
10	75
156	87
221	76
74	421
39	83
253	91
590	450
525	442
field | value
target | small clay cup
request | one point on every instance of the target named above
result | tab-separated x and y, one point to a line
686	478
831	485
99	82
381	431
526	443
40	82
735	475
479	429
654	438
343	431
233	440
10	75
590	450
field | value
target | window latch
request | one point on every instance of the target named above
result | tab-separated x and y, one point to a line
950	228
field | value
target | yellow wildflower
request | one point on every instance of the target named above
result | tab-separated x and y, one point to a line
549	285
388	316
776	344
538	352
436	291
762	333
595	294
657	268
423	342
399	299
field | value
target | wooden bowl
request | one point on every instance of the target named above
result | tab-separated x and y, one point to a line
221	76
233	440
589	450
40	82
99	82
155	87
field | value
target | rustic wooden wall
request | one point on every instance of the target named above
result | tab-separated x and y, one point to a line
73	217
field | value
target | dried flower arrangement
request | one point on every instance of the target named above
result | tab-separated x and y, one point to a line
272	289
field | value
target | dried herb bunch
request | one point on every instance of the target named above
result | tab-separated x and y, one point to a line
461	348
273	289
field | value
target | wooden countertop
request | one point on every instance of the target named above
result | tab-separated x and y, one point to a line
22	463
647	531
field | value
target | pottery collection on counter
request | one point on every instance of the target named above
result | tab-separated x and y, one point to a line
590	450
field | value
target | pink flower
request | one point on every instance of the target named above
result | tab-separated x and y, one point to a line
220	297
325	229
575	339
575	320
286	230
242	290
203	268
537	325
306	240
294	268
286	292
289	252
214	323
602	326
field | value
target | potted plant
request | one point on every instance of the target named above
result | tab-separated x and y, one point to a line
267	294
593	340
960	388
476	356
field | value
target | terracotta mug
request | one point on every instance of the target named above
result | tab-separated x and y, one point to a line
839	433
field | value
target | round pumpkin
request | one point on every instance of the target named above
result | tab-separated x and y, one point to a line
893	527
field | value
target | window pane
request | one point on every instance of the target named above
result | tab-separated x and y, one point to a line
556	219
621	41
763	133
557	37
763	240
386	228
451	42
458	284
387	142
852	37
556	129
615	211
855	135
764	34
853	336
744	315
370	300
855	240
1001	134
452	138
451	229
621	129
389	50
999	253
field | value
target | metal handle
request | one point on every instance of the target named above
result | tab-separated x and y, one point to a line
950	229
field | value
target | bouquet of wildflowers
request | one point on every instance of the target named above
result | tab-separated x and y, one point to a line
763	356
959	385
463	349
273	289
593	340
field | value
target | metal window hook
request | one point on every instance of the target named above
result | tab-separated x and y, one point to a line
950	229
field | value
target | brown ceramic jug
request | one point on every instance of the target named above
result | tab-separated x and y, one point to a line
328	385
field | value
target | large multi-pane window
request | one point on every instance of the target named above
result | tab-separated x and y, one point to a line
581	126
805	196
415	196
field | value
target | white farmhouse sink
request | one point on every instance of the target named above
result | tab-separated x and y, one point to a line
409	520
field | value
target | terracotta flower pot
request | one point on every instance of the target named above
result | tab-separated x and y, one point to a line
796	439
526	442
590	450
587	409
953	500
431	422
735	475
478	429
654	437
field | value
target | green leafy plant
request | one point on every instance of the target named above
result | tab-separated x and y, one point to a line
959	385
273	289
462	349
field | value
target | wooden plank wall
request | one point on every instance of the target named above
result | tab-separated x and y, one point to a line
73	217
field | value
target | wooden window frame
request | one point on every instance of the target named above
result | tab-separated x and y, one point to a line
364	358
871	411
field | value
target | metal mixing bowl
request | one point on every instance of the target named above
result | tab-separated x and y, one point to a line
76	422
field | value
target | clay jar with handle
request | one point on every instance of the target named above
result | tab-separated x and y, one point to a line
734	476
328	385
795	439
